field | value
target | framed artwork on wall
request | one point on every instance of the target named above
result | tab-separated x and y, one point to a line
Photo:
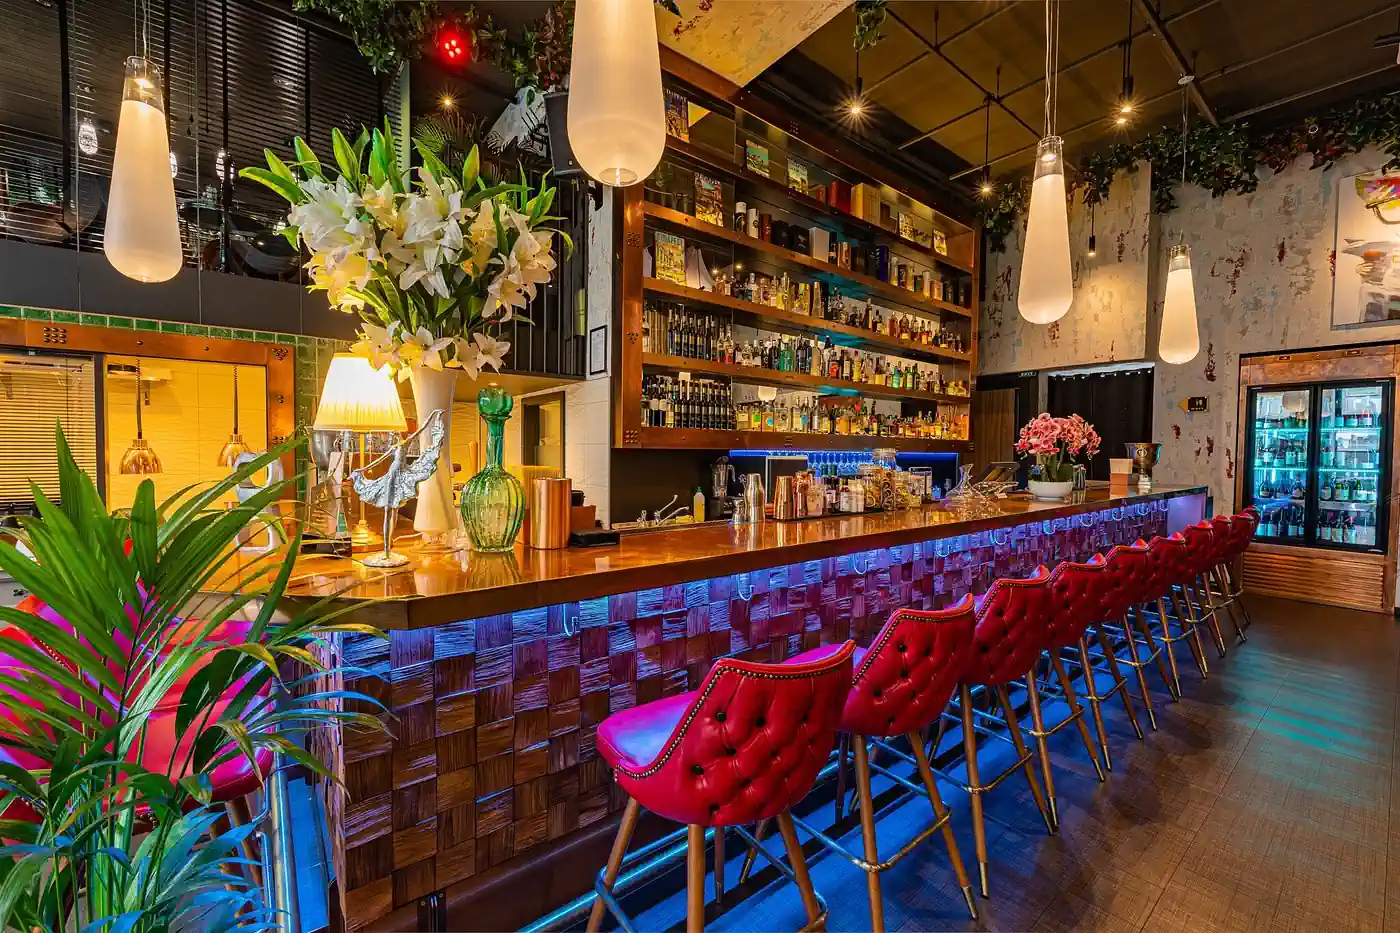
1366	286
598	350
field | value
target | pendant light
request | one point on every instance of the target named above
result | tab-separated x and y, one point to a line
1123	111
235	448
142	238
1180	339
1093	246
1047	287
985	188
139	457
616	116
855	107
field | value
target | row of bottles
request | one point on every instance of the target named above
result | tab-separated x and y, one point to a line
824	301
1282	523
860	419
669	402
1281	451
1340	527
1281	490
1287	421
1350	452
1365	418
674	330
1354	489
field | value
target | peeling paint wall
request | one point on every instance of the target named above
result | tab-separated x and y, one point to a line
1263	267
1108	320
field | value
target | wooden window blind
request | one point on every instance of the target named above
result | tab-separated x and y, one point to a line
38	391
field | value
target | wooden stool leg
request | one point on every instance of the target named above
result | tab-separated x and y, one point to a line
1090	692
1119	681
1212	612
1232	603
843	749
867	834
695	879
1173	685
1187	616
798	860
1137	666
1042	746
1077	712
1022	752
941	812
619	849
974	783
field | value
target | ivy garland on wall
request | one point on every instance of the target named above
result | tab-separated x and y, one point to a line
389	33
1222	159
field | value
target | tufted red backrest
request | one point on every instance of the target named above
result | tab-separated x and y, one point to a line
1168	562
1200	548
1076	600
1224	528
1010	630
751	743
1127	578
1244	523
905	679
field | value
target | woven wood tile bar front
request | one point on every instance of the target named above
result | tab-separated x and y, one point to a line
493	759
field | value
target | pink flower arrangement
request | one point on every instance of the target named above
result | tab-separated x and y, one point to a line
1056	443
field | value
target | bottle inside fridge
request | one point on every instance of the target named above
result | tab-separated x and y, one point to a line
1350	469
1281	462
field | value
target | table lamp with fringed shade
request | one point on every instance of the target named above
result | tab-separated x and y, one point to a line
359	398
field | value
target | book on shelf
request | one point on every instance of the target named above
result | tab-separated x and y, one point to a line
670	257
677	115
797	176
756	157
940	243
709	199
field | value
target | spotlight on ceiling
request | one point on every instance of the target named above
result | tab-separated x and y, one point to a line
447	102
1121	120
856	107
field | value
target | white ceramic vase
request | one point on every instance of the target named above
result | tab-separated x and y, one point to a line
1050	492
436	514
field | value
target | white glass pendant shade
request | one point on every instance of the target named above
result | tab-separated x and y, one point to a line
142	239
1180	339
1046	288
617	118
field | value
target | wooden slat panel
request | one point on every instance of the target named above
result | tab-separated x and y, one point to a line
1332	578
994	426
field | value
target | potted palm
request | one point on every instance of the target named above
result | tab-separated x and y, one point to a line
434	262
127	692
1055	445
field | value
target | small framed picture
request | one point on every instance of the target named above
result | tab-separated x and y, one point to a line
598	350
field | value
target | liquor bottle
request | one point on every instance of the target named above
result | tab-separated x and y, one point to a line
1295	523
1266	454
1349	531
833	360
1266	490
847	366
1343	490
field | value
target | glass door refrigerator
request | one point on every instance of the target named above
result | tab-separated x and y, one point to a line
1317	463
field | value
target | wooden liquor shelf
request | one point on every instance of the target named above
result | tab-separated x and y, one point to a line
699	439
719	163
842	334
867	283
757	375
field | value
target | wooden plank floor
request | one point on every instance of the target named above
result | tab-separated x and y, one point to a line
1264	802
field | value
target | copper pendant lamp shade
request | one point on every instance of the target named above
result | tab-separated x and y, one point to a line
139	458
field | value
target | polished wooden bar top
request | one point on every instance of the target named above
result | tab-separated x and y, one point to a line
436	588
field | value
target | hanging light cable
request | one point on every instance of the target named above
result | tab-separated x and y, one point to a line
1125	97
1093	250
139	458
1180	338
235	447
1046	288
617	118
986	187
142	237
855	107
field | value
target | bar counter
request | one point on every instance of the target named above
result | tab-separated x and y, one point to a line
498	670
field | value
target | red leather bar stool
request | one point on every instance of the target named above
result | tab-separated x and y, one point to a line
1077	592
743	748
1128	581
1217	578
1242	528
1007	642
1201	548
1170	566
901	686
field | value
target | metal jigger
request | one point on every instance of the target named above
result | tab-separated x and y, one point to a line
1144	456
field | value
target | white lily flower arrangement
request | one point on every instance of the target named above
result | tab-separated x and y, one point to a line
434	264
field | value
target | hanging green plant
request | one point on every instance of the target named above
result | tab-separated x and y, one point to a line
870	16
1221	159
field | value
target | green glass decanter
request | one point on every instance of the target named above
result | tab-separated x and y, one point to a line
493	501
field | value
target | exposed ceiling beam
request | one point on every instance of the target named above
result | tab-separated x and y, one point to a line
941	42
1233	67
1176	59
1308	93
986	92
1027	85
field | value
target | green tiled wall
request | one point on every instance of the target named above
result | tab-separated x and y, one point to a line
313	354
